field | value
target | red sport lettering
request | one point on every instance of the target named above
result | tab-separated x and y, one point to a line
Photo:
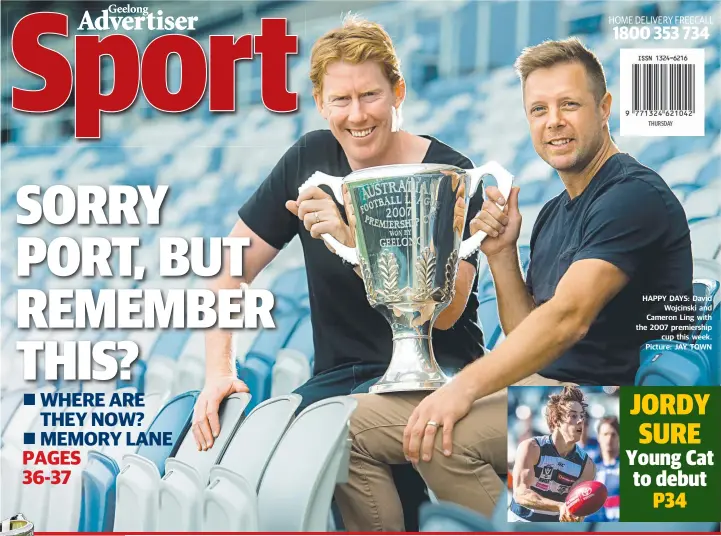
41	61
155	63
135	71
274	46
89	102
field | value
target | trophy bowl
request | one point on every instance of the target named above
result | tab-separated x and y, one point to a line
409	241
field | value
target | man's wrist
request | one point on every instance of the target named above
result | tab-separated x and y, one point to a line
508	255
467	382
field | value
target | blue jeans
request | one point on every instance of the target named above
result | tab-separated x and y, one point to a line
342	380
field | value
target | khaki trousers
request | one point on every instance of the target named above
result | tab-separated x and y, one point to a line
469	476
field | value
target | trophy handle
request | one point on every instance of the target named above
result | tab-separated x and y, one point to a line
336	185
505	183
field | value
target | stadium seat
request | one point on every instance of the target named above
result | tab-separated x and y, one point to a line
294	363
97	508
706	269
152	403
289	288
257	367
138	371
448	517
524	255
532	193
710	172
312	457
160	374
23	420
35	499
256	373
683	168
705	238
9	403
675	367
186	474
703	203
490	323
230	501
137	485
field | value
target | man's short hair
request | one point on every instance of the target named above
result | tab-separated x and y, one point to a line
550	53
557	406
356	41
611	421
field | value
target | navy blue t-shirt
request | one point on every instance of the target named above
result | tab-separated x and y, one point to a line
629	217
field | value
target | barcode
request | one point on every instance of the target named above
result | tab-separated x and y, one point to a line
658	86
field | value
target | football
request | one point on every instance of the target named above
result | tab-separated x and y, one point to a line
586	498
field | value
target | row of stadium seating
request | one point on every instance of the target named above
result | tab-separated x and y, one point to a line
268	471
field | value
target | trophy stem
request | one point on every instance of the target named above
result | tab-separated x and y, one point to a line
413	366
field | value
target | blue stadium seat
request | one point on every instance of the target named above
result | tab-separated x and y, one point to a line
449	517
294	363
255	370
524	255
710	172
289	289
678	366
97	506
683	190
269	341
256	373
488	316
9	403
532	192
137	376
174	417
170	343
656	154
302	339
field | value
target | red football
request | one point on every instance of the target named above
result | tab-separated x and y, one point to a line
586	498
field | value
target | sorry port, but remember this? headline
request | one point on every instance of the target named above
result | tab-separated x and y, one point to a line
125	308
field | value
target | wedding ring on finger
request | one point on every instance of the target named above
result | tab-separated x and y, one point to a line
317	218
432	423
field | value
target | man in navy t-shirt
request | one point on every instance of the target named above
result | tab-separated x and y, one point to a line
615	237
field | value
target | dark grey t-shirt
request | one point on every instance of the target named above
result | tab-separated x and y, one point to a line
629	217
346	329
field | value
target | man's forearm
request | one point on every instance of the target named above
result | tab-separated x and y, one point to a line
530	499
545	334
514	302
220	343
219	353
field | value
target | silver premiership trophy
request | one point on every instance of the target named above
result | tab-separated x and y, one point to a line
409	243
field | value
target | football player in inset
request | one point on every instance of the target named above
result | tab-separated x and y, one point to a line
547	467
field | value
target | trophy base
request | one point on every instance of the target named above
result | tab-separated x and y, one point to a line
399	387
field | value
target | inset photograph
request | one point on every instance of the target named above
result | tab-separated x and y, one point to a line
563	454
